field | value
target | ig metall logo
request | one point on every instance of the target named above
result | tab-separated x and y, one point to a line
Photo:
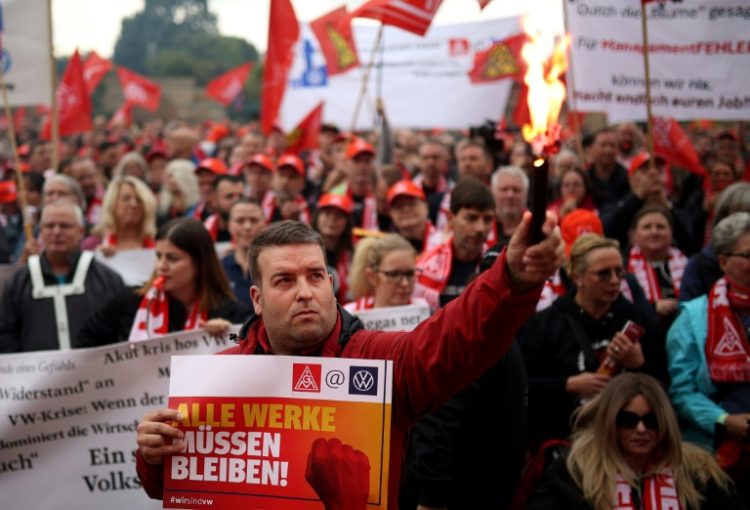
363	380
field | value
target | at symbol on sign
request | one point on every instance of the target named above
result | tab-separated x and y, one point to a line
335	378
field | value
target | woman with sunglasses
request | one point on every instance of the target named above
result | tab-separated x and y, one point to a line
708	353
383	274
627	453
567	346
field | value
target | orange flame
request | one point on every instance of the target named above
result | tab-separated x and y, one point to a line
546	92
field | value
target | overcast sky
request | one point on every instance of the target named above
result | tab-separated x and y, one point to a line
95	24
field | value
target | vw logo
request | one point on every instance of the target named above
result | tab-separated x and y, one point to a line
363	380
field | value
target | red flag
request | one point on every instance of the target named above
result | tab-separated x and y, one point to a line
283	32
137	90
305	135
483	3
73	101
94	70
225	88
19	116
123	116
501	60
413	16
671	142
334	33
521	113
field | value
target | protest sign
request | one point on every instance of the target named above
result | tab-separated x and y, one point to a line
424	81
394	318
699	59
25	50
68	421
135	266
246	444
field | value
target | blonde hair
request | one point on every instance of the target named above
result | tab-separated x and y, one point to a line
369	253
577	261
182	171
108	222
595	459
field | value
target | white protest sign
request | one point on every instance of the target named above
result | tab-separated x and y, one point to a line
135	266
423	81
394	318
251	423
26	51
68	421
699	58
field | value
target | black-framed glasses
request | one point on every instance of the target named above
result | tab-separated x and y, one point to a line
604	275
628	420
744	255
396	276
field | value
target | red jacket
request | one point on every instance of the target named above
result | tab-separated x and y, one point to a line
441	356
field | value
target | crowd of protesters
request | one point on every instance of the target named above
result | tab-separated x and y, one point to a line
646	242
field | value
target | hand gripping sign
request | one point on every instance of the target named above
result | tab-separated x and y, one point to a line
279	432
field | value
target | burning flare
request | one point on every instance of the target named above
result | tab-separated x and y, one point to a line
546	62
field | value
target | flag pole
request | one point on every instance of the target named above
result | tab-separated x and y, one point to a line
366	78
571	97
647	73
20	183
54	121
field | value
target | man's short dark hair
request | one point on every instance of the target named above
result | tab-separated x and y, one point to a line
226	178
471	193
284	233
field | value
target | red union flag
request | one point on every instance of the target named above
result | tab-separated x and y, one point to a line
94	70
73	101
501	60
225	88
305	135
411	15
137	90
283	32
671	142
334	33
483	3
123	116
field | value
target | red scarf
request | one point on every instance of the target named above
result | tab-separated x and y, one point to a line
369	212
342	268
659	493
646	275
212	225
110	241
726	346
152	318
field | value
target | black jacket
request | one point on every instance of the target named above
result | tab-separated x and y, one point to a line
115	319
28	324
557	343
558	490
469	453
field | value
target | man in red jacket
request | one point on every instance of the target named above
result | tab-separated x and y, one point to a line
296	314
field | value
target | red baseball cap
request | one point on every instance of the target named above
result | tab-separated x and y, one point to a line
579	222
340	202
262	161
641	159
213	165
292	161
358	146
405	188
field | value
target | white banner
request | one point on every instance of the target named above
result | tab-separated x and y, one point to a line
394	318
699	56
135	266
26	59
68	421
425	82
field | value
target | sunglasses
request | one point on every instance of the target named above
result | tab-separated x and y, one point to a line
606	274
629	421
397	276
